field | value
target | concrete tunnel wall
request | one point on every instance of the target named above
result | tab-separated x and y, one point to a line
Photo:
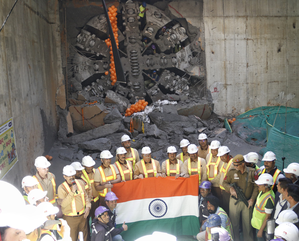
251	60
30	74
252	53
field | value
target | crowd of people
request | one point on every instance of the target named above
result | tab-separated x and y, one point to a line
237	199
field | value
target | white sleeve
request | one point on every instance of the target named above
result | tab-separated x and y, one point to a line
47	238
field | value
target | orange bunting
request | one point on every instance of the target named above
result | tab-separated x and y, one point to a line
137	107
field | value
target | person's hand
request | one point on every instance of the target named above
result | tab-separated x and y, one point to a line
260	234
140	176
86	212
74	187
250	203
186	175
177	176
125	226
233	192
163	175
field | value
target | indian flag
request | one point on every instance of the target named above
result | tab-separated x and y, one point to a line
158	204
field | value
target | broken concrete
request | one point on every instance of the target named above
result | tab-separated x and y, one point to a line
113	116
203	111
112	97
87	117
98	145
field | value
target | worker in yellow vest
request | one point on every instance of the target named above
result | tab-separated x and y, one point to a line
37	196
132	154
28	183
214	165
203	148
242	177
269	167
124	167
227	159
142	9
75	203
195	165
172	166
87	176
264	205
147	167
106	175
79	175
46	180
183	156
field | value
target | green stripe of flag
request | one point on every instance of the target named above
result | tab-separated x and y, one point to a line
186	225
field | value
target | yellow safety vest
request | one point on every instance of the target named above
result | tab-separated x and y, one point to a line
215	167
153	170
133	158
182	157
259	214
141	8
275	176
224	170
198	169
54	188
122	172
228	225
106	178
26	199
89	182
81	193
174	171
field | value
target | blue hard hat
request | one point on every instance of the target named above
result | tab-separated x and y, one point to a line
205	185
214	220
154	71
144	4
100	211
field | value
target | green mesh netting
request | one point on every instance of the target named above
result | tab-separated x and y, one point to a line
275	127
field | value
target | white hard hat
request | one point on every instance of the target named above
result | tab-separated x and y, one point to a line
87	161
171	149
69	171
35	195
42	162
121	150
202	136
223	233
192	149
223	150
269	156
47	208
184	143
77	166
125	138
29	181
287	231
106	155
251	157
215	145
146	150
264	178
287	216
292	168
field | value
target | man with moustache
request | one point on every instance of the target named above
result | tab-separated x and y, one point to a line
132	154
147	167
183	156
46	180
100	229
106	175
195	165
243	177
292	172
269	167
124	167
172	166
75	203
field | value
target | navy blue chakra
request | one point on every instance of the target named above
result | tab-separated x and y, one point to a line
157	208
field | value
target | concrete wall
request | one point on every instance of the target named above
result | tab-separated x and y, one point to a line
30	73
252	53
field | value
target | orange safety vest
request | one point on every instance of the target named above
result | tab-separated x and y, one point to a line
89	182
106	178
133	158
81	193
275	176
224	170
122	172
175	171
146	172
54	188
215	167
198	169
